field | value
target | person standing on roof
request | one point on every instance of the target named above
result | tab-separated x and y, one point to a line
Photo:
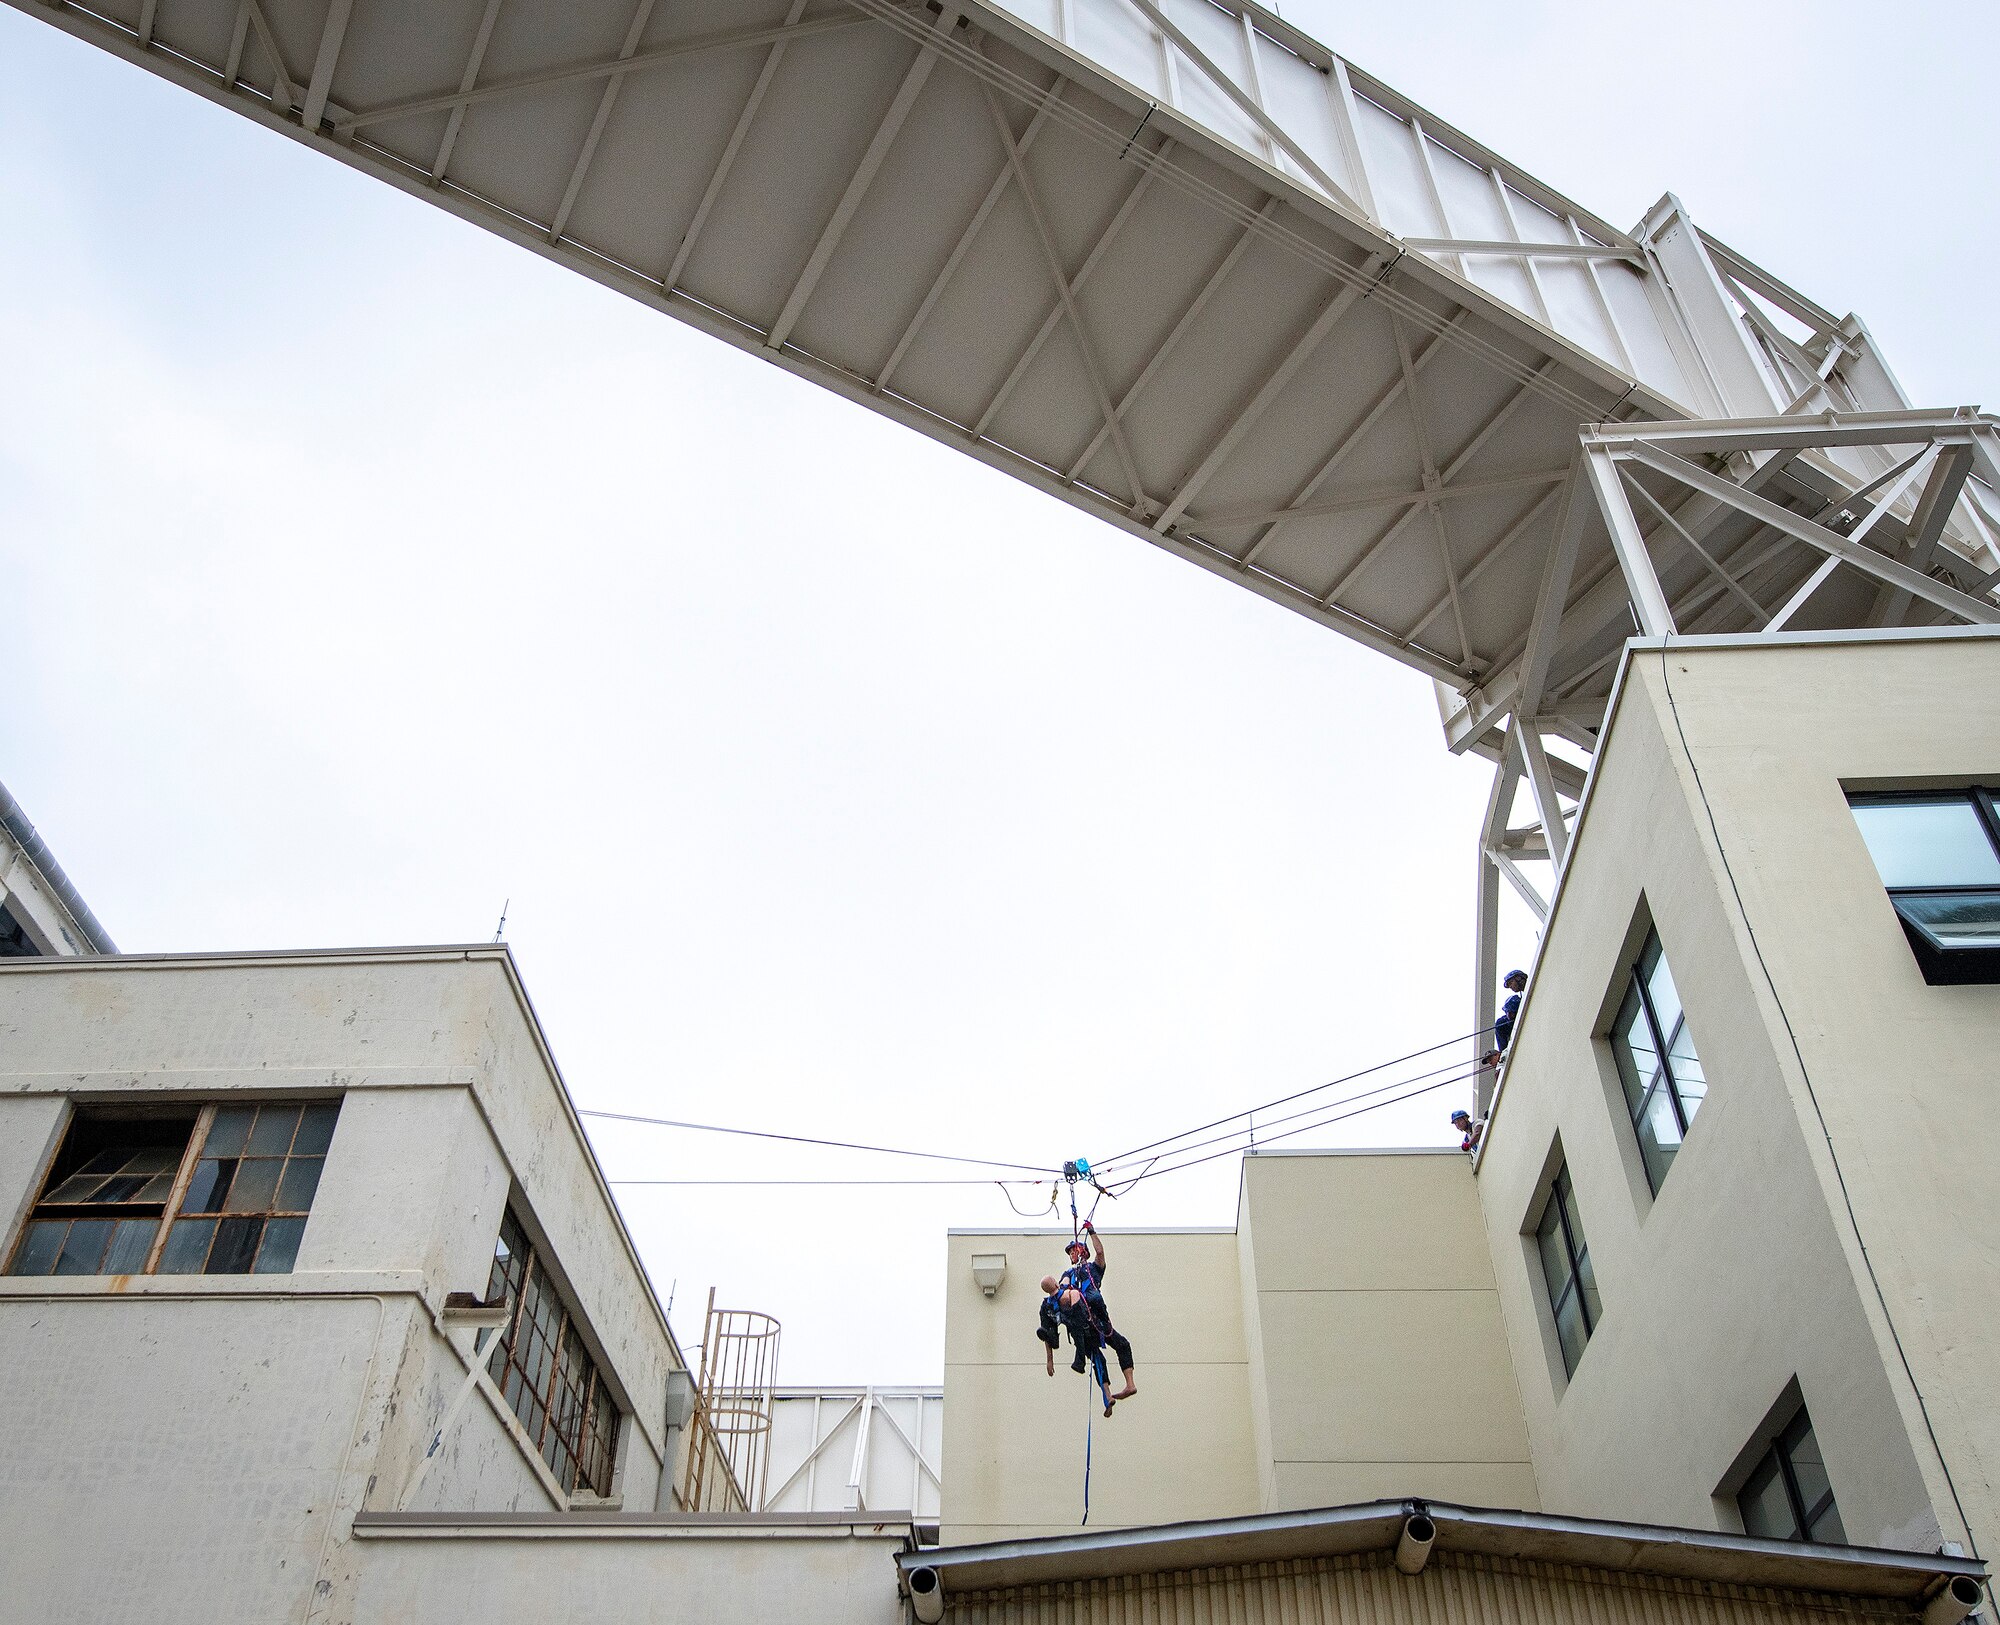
1516	983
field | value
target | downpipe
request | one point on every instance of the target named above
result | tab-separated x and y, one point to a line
927	1597
1413	1550
1961	1594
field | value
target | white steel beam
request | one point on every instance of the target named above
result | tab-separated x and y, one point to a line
1371	497
1134	195
1522	249
1555	834
1052	258
872	159
332	32
1165	348
1336	306
1523	886
1390	394
1728	582
731	39
481	38
719	176
605	103
1797	601
1494	548
1816	535
1557	571
1247	105
1897	428
1642	583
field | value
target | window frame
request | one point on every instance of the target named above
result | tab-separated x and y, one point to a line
171	1209
1637	981
1941	966
1561	1200
591	1451
1778	1450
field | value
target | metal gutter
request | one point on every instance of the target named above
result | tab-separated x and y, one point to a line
36	851
1376	1526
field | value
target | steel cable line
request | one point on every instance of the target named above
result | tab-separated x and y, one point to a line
1002	1183
838	1145
1292	1117
1306	1128
1285	1100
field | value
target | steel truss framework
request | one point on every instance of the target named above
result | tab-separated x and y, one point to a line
1781	515
1190	271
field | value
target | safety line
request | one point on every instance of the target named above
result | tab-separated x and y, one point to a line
1002	1183
1307	1128
1306	1111
1285	1100
801	1139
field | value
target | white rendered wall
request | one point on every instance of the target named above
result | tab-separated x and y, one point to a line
1745	1273
204	1442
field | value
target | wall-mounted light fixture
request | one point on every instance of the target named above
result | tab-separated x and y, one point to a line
989	1270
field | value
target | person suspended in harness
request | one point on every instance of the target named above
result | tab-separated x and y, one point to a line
1075	1301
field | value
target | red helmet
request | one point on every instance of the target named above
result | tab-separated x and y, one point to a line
1078	1246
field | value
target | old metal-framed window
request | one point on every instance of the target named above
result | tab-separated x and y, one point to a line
546	1374
1657	1063
1566	1269
1788	1495
217	1189
1938	853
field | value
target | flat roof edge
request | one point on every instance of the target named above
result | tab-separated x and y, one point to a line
1375	1526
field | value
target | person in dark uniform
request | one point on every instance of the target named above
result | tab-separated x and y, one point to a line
1075	1301
1516	983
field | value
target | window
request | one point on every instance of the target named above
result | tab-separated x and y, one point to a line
547	1375
1664	1086
1566	1268
1788	1495
15	943
1939	856
211	1190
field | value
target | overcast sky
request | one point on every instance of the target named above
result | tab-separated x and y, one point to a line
361	572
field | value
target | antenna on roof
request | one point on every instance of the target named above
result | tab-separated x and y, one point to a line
502	926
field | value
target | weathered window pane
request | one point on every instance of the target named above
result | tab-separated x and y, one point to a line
295	1190
210	1185
272	1135
228	1132
41	1247
316	1128
83	1248
256	1183
281	1246
187	1247
130	1245
235	1246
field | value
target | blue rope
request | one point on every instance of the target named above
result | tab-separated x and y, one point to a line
1089	1423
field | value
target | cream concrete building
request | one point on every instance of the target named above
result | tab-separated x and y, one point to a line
1343	1342
259	1208
1733	1274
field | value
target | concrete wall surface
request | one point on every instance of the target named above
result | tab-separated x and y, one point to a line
1014	1437
1717	816
591	1569
203	1441
1380	1365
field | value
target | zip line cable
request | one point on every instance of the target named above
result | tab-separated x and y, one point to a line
801	1139
1304	1111
1285	1100
1307	1128
1002	1183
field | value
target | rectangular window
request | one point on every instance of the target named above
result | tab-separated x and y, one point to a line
1657	1063
1788	1495
1572	1283
209	1190
15	943
1938	854
543	1369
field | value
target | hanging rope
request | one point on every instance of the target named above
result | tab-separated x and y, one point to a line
1089	1423
1032	1213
